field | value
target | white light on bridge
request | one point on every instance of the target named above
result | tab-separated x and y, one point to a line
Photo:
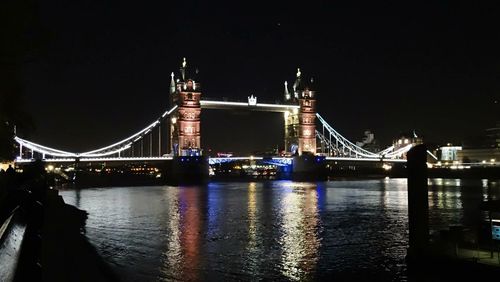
252	100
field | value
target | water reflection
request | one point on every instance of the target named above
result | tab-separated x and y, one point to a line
182	254
457	201
277	230
173	253
252	216
299	240
253	247
393	194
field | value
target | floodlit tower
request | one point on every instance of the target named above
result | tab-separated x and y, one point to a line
307	117
300	129
185	124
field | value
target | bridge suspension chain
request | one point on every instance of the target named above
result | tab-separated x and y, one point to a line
114	149
345	148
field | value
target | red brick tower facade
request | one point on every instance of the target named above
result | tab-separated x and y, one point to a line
307	117
300	128
185	124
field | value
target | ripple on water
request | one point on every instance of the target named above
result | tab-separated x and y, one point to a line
281	230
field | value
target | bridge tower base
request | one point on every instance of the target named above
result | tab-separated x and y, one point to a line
186	170
308	167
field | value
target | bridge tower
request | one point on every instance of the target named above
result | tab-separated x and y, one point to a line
185	124
300	128
307	125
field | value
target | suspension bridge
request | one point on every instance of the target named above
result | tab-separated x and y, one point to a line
176	132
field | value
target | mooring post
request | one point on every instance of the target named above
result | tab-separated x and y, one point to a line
418	205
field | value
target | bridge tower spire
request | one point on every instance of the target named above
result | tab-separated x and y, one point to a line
172	83
183	69
287	93
297	84
185	125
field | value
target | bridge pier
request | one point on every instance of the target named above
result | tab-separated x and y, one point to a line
186	170
308	167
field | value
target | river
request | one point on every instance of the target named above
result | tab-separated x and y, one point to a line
275	230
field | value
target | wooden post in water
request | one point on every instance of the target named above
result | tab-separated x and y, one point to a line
418	204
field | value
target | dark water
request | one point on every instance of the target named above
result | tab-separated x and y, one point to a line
279	230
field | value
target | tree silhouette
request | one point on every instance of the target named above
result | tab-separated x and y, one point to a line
21	40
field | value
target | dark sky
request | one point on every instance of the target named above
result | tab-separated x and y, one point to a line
102	69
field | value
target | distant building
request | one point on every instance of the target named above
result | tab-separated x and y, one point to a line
369	142
449	153
5	165
493	136
481	155
368	139
404	140
483	149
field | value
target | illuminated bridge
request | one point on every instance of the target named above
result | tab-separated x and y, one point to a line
176	132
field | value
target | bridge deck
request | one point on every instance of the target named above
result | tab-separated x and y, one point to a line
211	160
226	105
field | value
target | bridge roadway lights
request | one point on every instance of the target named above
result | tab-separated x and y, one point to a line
186	170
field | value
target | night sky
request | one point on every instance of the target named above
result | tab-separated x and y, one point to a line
101	69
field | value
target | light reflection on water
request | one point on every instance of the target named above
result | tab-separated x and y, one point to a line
174	249
299	240
252	248
279	230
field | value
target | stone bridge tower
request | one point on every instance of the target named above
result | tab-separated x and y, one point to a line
185	123
300	127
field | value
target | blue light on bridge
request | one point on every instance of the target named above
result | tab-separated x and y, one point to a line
190	159
213	161
280	161
495	232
